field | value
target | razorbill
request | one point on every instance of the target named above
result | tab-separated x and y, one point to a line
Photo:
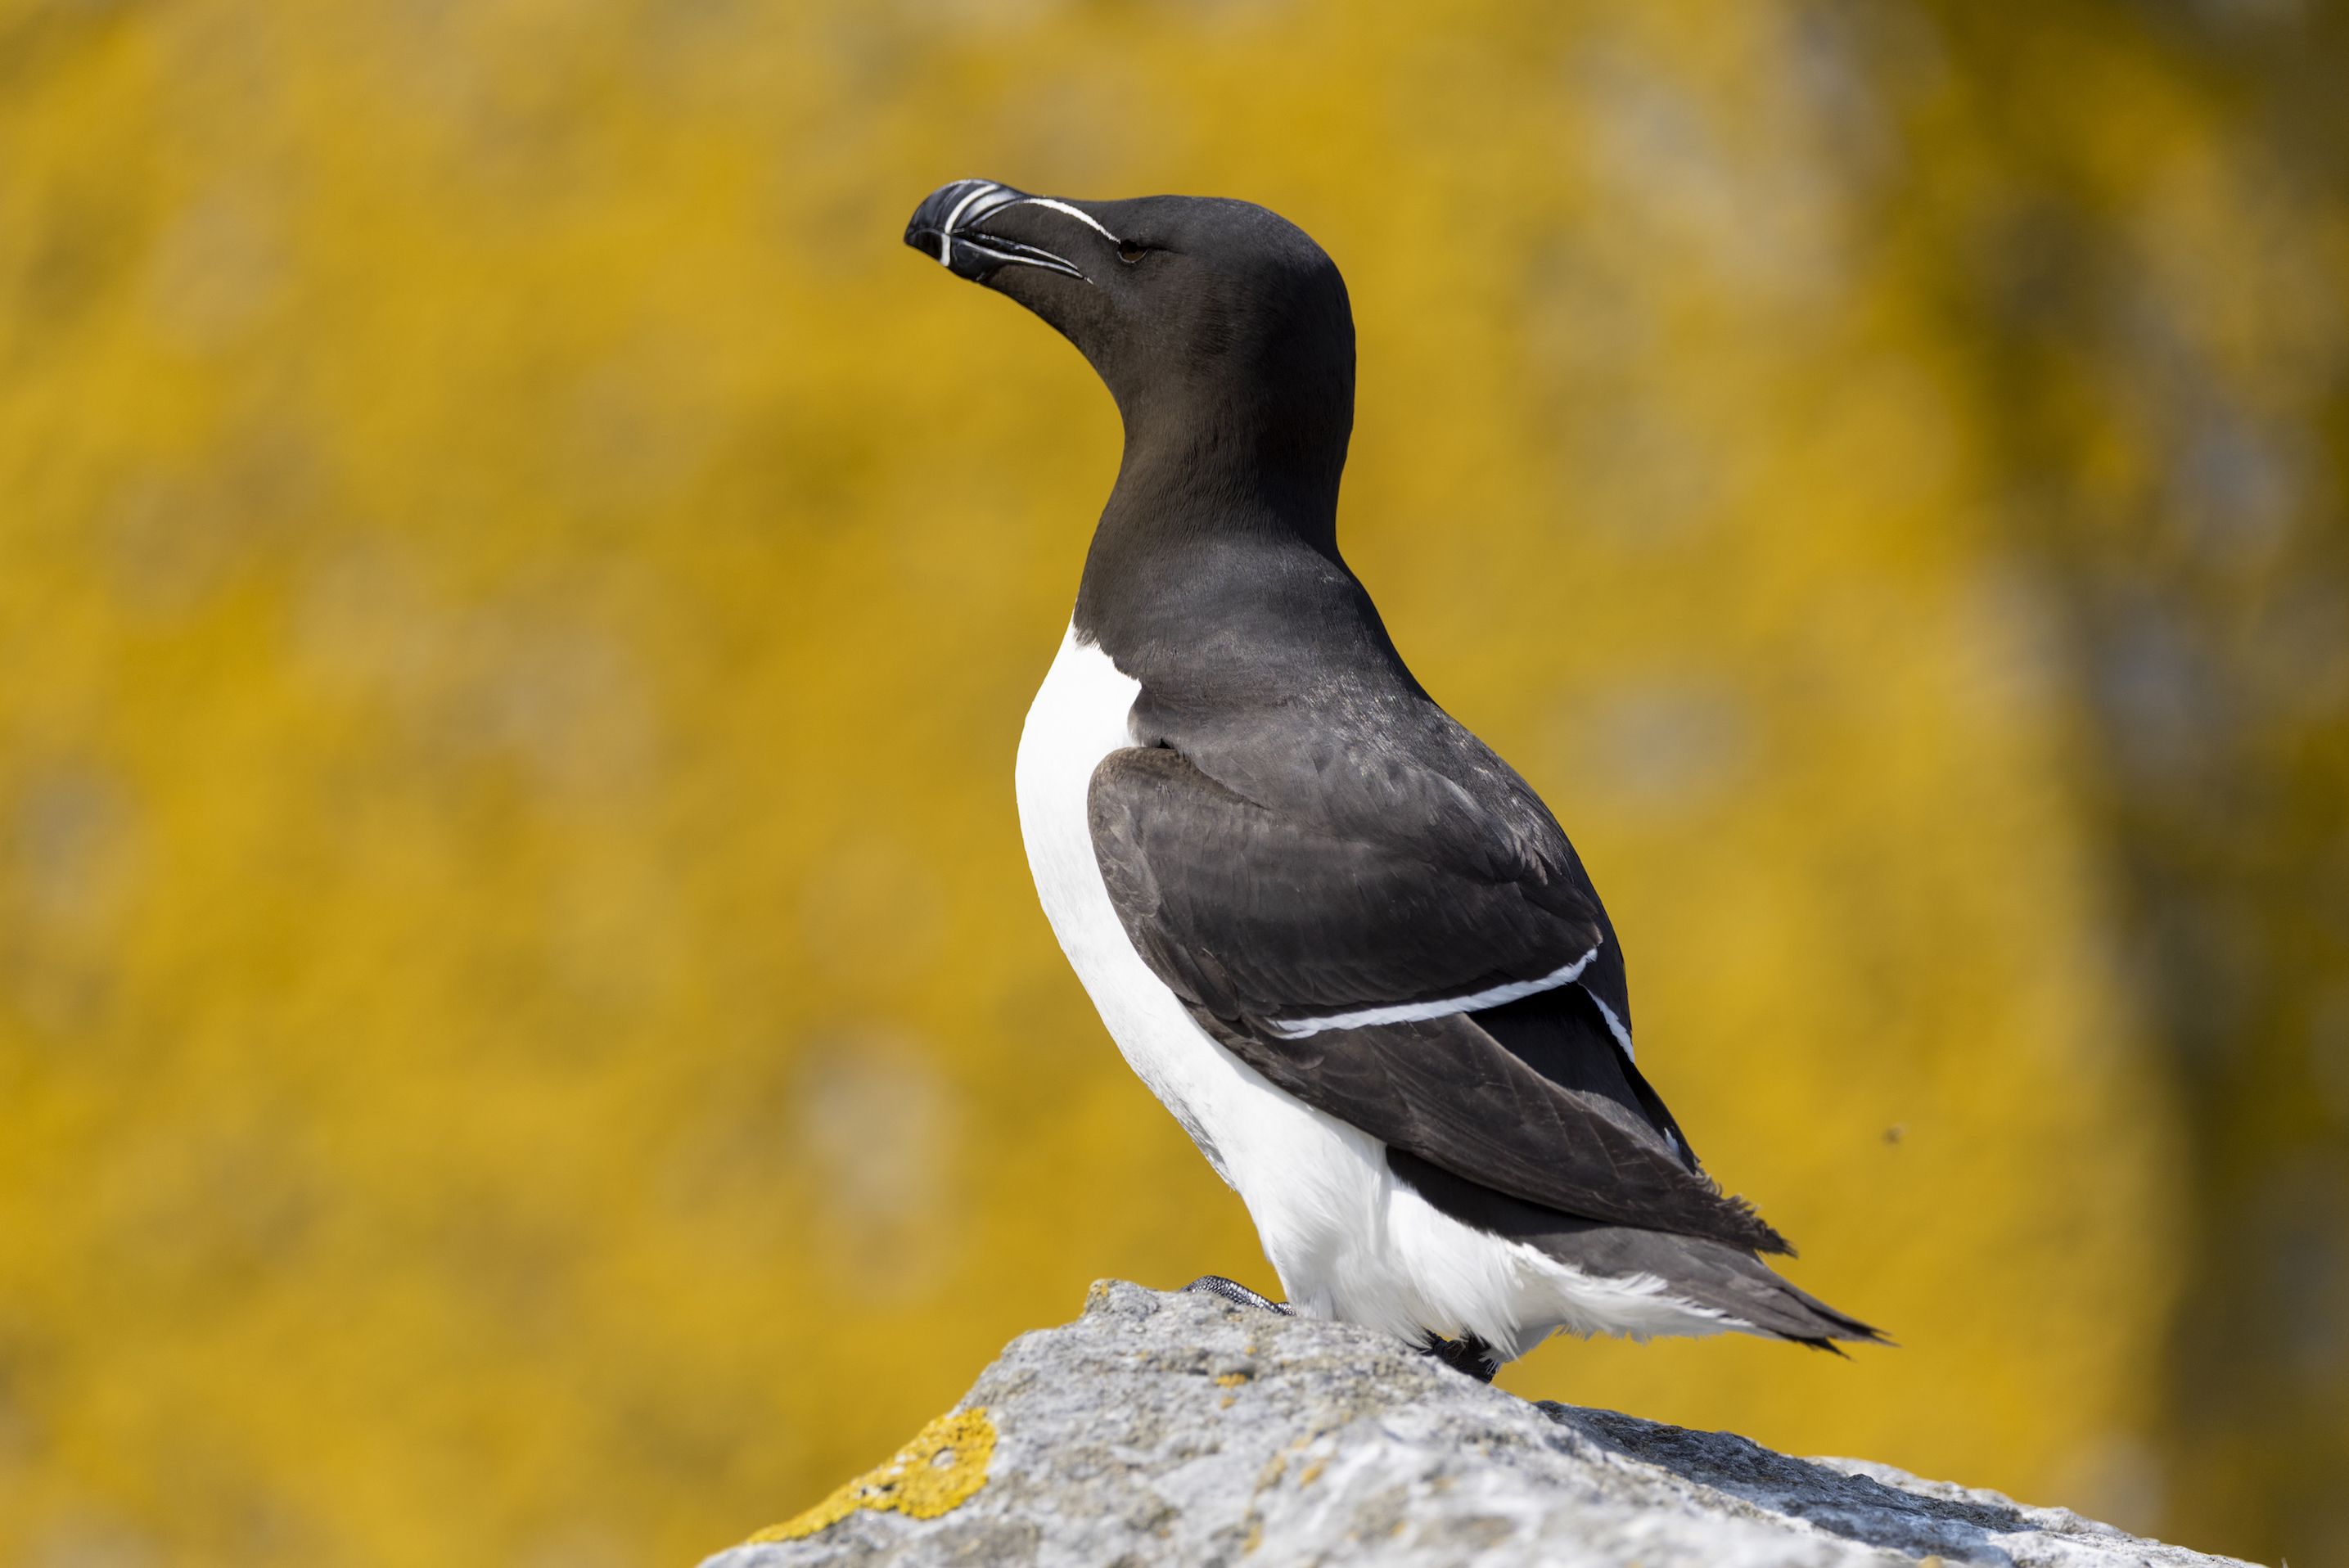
1342	941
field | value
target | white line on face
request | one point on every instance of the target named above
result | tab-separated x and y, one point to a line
1087	218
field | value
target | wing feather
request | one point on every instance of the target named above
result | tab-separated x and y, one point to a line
1258	917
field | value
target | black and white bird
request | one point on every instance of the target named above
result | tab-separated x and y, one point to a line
1342	941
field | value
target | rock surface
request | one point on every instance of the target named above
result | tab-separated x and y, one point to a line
1167	1428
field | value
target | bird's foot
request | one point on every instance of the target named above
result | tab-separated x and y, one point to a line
1466	1354
1233	1292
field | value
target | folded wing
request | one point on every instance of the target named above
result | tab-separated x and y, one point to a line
1407	952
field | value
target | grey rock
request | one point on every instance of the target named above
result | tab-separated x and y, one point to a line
1170	1428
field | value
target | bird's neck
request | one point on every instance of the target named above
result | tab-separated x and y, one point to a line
1215	525
1199	469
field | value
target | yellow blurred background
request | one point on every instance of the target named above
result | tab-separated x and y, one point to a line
525	1038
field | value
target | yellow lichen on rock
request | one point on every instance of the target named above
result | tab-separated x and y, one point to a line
942	1468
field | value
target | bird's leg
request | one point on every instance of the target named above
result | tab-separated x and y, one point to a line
1233	1292
1466	1354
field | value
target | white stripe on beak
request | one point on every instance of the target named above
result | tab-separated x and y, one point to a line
1052	264
945	230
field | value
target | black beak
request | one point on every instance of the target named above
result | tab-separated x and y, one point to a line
946	228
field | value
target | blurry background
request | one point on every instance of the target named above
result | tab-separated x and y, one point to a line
526	1037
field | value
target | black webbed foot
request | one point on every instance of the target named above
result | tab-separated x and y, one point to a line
1466	1354
1233	1292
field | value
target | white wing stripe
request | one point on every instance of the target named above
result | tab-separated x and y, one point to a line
1614	1025
1420	1012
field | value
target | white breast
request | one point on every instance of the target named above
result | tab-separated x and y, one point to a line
1347	1239
1080	715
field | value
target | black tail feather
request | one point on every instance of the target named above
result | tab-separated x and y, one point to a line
1704	1272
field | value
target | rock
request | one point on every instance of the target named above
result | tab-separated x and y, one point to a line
1169	1428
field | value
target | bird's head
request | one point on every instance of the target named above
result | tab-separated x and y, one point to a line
1214	318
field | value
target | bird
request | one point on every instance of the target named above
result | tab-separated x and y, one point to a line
1341	941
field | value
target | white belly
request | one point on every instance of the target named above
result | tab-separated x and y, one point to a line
1348	1240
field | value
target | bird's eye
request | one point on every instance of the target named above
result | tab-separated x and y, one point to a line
1130	251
